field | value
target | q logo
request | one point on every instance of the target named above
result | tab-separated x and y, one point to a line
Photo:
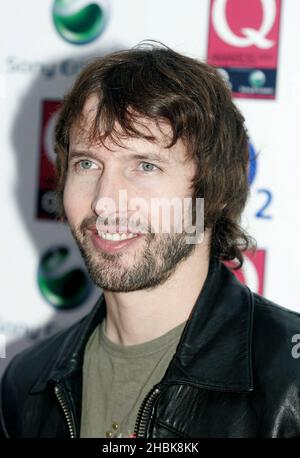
79	21
62	281
252	273
48	137
250	36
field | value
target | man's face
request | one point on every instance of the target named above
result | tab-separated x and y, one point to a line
137	259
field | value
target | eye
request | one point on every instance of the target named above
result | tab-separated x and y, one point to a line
86	164
148	167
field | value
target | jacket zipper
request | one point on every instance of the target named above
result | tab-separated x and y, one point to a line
143	414
60	394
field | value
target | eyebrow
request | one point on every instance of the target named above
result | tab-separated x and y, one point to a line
152	156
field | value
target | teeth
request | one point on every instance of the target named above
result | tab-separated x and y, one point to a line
116	236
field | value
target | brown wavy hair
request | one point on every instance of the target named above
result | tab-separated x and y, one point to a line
153	81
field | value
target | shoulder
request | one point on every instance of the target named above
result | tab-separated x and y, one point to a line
274	319
31	370
276	340
32	362
28	366
53	351
22	373
43	357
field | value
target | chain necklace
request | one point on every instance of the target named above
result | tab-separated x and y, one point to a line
117	432
119	429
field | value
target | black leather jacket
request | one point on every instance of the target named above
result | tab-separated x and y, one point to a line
233	374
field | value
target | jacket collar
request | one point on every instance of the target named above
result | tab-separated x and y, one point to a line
214	351
215	348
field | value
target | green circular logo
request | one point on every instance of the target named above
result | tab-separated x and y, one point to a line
257	78
61	281
80	21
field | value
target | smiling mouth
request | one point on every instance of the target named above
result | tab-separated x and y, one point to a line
116	236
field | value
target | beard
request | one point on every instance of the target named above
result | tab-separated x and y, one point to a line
150	267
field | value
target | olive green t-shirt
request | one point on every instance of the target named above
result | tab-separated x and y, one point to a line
117	378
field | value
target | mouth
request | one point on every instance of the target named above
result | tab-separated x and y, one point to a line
117	236
111	242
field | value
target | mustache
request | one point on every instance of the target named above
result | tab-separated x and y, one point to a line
87	222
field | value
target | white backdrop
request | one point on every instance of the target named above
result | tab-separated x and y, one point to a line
38	64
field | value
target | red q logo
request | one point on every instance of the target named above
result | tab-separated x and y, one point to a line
46	185
48	139
253	271
243	41
248	36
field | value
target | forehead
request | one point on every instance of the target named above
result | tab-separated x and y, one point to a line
161	131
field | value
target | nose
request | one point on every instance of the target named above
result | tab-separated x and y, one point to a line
107	192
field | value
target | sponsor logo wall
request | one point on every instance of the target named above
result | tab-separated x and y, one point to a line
44	284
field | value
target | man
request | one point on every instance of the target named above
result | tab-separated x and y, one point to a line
175	346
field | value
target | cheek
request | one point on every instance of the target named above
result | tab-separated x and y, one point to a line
76	203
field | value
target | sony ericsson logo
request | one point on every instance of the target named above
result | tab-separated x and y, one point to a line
80	21
61	279
249	36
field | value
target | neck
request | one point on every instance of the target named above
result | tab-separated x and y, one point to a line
141	316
